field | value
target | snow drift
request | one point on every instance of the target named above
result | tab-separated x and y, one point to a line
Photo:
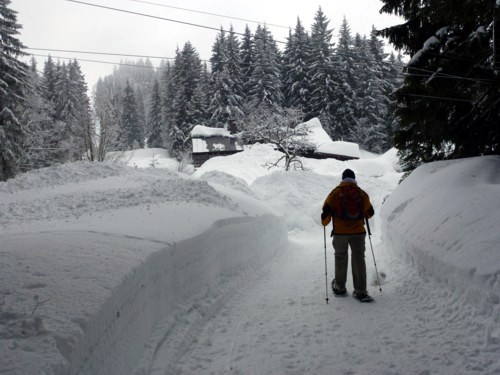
444	219
96	255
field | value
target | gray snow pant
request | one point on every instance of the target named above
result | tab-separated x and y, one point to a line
341	242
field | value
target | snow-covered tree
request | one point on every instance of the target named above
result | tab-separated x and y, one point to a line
13	79
131	133
155	119
226	88
247	59
448	106
322	73
344	98
296	73
265	82
280	128
42	136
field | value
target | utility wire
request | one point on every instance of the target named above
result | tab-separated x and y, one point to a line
100	53
210	14
431	73
94	61
159	18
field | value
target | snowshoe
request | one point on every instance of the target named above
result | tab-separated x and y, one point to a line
337	291
362	296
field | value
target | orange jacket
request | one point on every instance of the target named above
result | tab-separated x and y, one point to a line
345	226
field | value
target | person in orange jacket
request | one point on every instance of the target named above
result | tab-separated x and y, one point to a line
348	205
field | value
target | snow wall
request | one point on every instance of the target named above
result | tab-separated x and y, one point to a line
166	285
444	219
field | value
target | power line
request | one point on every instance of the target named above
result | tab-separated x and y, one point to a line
101	53
94	61
210	14
159	18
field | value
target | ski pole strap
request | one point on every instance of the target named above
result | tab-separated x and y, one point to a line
368	226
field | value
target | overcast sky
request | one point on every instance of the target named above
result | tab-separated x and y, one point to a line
60	24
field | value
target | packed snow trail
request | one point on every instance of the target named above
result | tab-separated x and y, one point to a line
280	324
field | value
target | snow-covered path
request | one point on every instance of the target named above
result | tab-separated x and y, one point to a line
280	324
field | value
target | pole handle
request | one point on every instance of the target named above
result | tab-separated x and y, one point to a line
368	226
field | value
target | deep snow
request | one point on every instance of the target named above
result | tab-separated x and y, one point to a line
108	269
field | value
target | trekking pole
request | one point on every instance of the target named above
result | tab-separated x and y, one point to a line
374	262
326	270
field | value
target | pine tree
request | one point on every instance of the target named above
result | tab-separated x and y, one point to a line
37	116
370	107
344	98
72	114
185	78
226	84
448	106
247	60
265	82
186	75
296	73
155	119
85	130
49	80
322	73
219	58
13	79
131	132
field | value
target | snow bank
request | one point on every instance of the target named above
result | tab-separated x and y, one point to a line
95	255
444	219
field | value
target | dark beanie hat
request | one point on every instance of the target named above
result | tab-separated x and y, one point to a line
348	174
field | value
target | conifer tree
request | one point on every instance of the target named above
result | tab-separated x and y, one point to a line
37	116
168	104
448	106
342	112
131	132
219	58
322	73
247	60
185	78
13	79
155	120
226	84
370	106
49	80
265	82
296	73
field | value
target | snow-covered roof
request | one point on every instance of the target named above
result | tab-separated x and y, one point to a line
319	138
340	148
200	131
317	135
